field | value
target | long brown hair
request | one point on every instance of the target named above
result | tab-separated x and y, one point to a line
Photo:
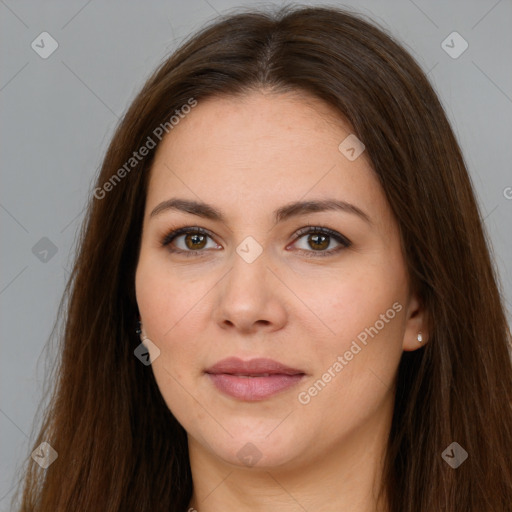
119	446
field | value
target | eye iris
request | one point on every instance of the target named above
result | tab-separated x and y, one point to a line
316	243
198	241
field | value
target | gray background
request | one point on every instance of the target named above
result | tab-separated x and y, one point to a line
58	114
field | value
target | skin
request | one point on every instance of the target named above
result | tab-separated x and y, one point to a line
247	156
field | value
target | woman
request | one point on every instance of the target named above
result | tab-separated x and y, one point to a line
283	298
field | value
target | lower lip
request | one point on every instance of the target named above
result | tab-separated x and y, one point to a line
252	389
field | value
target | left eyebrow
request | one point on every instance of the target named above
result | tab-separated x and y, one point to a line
304	207
281	214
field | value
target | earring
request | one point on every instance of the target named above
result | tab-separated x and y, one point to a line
420	337
139	327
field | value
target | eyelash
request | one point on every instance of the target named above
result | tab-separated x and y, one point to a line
195	230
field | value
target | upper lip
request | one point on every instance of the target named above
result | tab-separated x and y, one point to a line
259	366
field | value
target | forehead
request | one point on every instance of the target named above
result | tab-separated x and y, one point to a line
261	149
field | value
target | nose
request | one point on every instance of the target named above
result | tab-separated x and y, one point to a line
250	298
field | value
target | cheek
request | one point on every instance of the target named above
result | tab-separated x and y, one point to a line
172	311
168	320
356	300
364	312
355	373
166	302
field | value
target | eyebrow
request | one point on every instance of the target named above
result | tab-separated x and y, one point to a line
281	214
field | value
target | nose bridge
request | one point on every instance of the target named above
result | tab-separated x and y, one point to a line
247	296
249	267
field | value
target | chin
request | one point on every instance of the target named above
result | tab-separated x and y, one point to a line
256	450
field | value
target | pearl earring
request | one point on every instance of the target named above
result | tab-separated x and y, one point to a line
420	337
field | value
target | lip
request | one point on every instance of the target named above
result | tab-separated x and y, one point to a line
253	380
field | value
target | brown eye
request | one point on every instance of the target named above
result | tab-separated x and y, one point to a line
318	239
318	242
195	241
192	241
189	241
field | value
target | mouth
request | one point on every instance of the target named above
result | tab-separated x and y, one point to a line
253	380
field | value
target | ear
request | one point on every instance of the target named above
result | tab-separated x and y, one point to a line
416	322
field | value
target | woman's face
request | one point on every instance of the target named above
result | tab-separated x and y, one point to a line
326	313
